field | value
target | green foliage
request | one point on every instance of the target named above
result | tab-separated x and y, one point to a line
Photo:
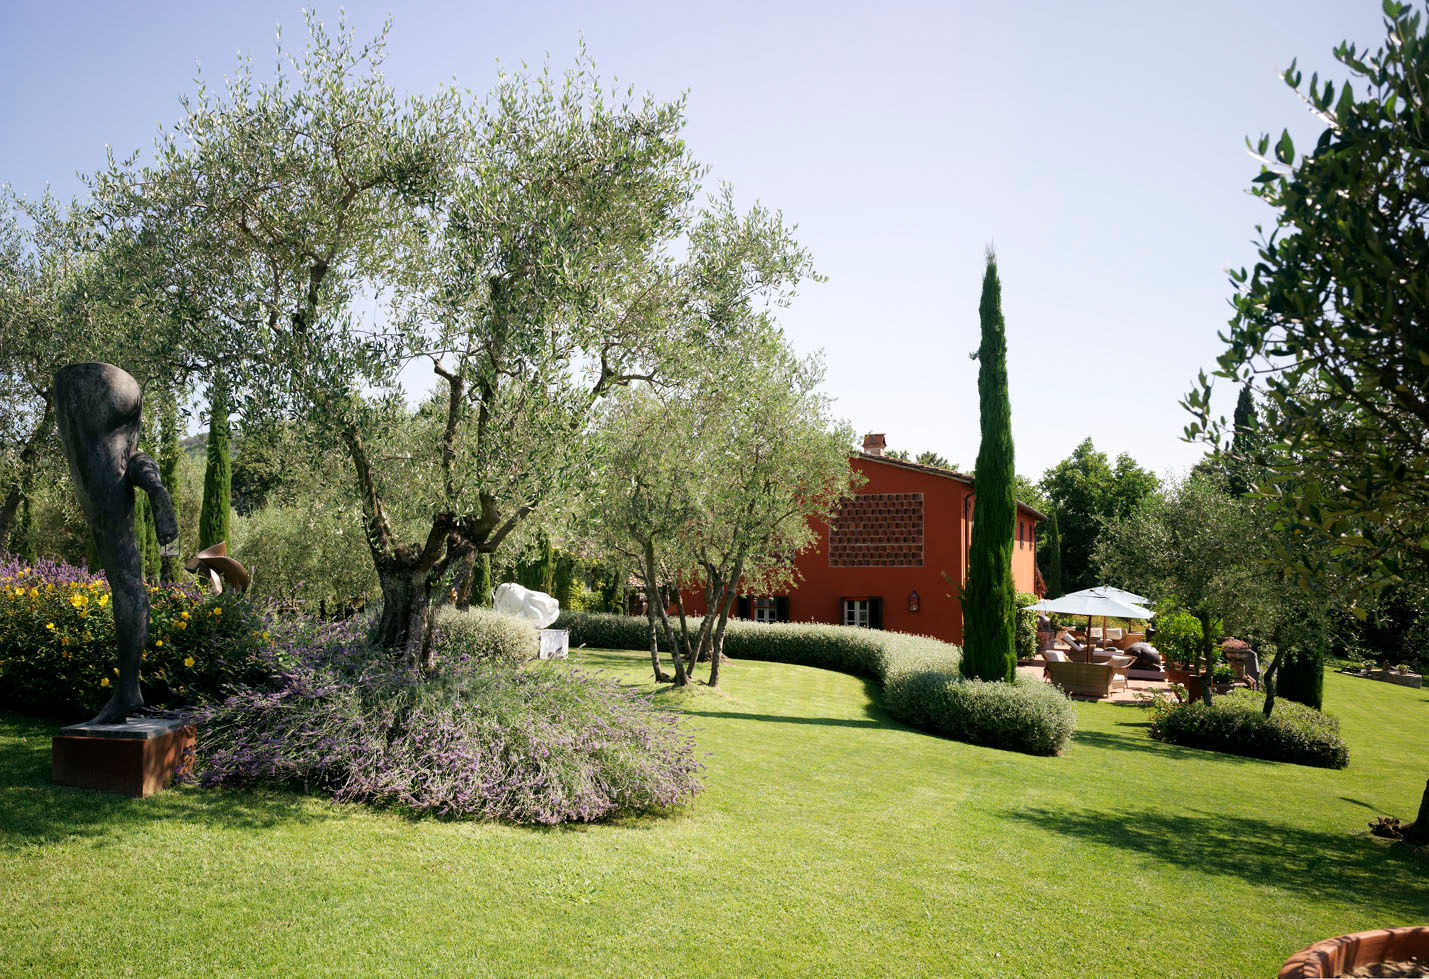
57	644
482	584
484	634
146	536
1050	557
1236	724
863	652
1301	675
169	456
1332	327
213	523
1086	492
1026	626
921	681
565	579
1178	636
22	538
989	624
1027	716
931	458
304	551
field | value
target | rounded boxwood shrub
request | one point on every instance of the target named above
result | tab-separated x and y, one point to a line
482	634
1236	724
919	674
57	650
475	739
1031	717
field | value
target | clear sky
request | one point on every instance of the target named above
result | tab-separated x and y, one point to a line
1099	145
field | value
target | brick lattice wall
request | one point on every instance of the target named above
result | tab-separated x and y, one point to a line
878	530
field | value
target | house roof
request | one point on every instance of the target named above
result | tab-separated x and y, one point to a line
937	471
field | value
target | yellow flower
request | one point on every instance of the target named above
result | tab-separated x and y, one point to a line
103	600
104	682
218	611
50	588
181	624
188	661
50	626
34	593
116	671
184	616
158	642
78	600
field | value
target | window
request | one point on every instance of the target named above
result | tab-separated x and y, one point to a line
1020	541
766	610
856	612
862	613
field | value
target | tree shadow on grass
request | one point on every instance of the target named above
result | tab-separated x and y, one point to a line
796	719
33	811
1393	879
1144	743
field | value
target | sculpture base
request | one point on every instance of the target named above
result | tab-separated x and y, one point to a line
137	758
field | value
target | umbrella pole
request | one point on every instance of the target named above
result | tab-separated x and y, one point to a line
1087	652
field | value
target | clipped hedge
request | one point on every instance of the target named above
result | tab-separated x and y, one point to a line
1031	717
1236	724
484	634
920	678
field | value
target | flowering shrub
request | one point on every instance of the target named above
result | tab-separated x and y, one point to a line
58	653
1236	724
544	744
483	633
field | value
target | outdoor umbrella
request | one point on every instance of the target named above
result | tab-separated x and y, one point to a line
1107	591
1093	602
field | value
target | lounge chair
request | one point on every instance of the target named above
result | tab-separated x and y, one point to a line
1082	679
1119	665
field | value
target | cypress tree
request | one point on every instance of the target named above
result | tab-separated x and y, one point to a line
481	584
145	532
1054	558
989	599
1301	676
1245	444
22	538
565	578
169	467
546	567
218	471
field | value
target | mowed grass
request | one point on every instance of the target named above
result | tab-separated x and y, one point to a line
831	841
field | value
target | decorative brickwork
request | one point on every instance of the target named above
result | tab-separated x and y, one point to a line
878	530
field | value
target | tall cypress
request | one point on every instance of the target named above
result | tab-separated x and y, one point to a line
565	578
145	531
1245	444
1054	558
218	470
169	467
22	538
481	583
989	598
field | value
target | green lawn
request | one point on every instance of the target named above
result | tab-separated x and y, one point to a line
830	841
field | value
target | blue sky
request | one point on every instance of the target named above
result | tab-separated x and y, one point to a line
1099	145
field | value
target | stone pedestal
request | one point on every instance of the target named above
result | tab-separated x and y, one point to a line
136	758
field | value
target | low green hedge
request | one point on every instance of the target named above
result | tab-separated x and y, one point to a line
1027	716
1236	724
921	683
484	634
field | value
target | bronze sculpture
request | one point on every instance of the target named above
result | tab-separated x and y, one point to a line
220	568
98	408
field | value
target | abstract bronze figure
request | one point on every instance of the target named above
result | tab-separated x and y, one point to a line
221	569
98	409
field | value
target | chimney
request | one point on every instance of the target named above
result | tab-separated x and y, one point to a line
874	444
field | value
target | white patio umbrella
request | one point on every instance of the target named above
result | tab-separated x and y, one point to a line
1093	602
1107	591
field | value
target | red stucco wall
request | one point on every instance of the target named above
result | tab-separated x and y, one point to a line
817	596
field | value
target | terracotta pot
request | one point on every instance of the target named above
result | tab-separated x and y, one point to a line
1336	956
1187	678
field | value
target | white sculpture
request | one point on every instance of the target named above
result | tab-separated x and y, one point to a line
535	607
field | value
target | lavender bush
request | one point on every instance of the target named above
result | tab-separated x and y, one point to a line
544	744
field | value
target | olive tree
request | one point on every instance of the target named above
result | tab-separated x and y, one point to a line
1193	547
